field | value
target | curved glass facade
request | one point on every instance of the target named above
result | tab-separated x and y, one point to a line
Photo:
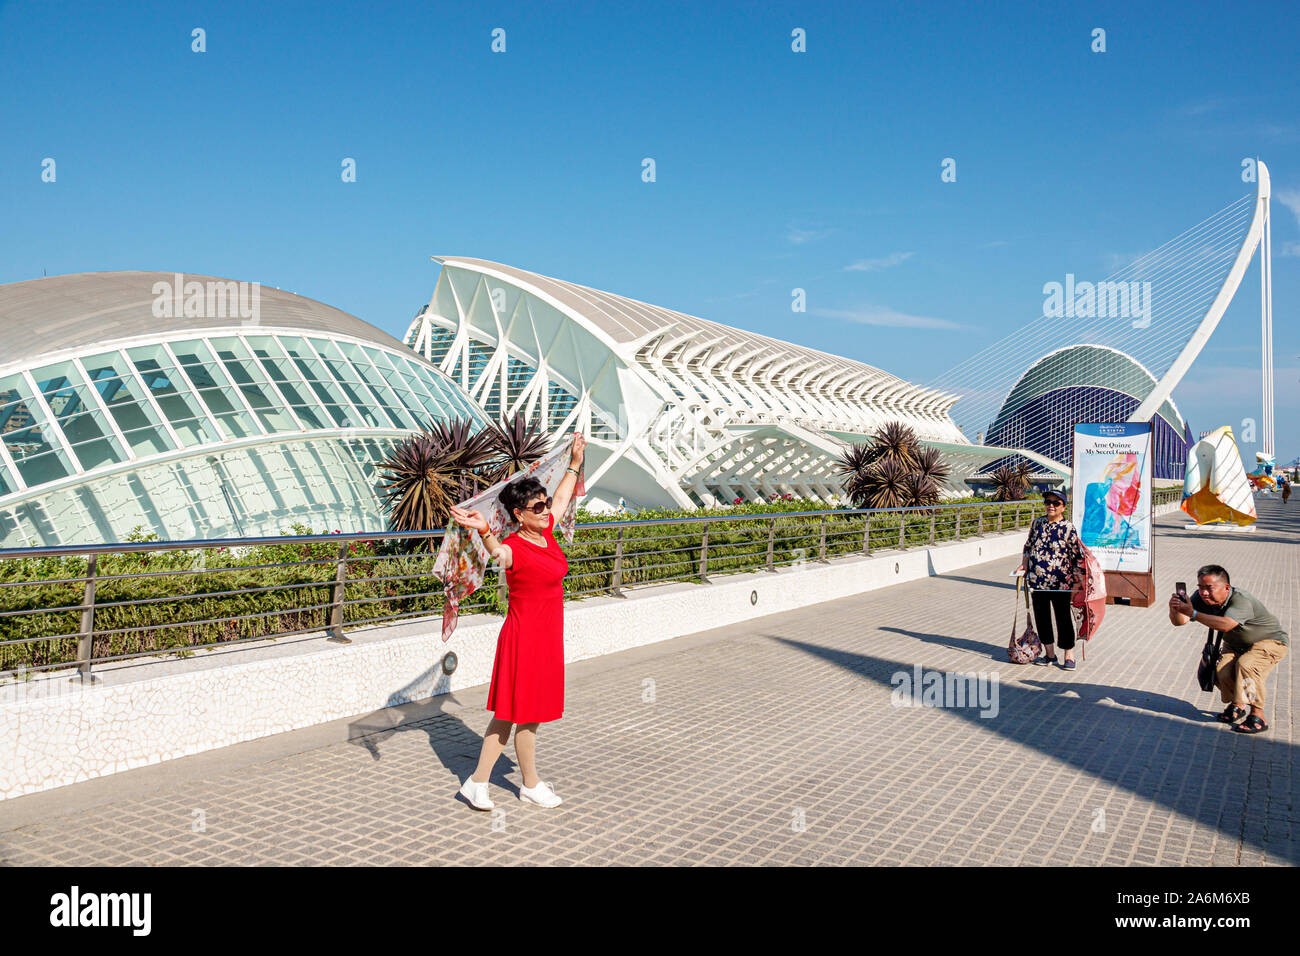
239	431
1085	383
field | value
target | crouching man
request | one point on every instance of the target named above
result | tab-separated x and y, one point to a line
1253	643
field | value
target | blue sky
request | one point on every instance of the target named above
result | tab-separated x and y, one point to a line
775	170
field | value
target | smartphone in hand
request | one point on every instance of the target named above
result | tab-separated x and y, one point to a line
1181	590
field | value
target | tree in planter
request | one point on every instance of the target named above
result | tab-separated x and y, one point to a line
430	471
515	444
448	462
928	475
892	471
896	442
470	456
853	464
1009	483
885	484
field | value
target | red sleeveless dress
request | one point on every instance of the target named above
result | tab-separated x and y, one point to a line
528	673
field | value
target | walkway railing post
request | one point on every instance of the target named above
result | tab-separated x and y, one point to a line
616	584
704	555
336	603
932	517
959	524
821	548
866	535
1001	512
86	642
771	546
902	530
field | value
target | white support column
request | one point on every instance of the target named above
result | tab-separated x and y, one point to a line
1266	324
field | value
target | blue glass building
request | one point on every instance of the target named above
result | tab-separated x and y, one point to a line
1086	383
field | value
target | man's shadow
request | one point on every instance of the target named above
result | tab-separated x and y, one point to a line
1159	775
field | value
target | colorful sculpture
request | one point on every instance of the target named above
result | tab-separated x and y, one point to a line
1261	479
1215	487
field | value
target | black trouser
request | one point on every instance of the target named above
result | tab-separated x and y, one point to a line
1058	601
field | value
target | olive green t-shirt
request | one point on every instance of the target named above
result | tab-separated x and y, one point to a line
1257	622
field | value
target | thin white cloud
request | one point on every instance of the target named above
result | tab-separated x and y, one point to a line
1284	132
875	315
1208	105
1291	199
1114	261
878	265
757	290
799	236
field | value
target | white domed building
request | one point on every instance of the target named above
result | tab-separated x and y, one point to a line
194	407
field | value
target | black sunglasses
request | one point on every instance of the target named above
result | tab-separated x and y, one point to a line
538	507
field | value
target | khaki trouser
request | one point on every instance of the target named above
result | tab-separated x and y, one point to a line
1241	674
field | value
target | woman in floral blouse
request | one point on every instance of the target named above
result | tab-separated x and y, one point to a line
1053	558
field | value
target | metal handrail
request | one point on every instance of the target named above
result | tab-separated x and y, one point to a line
819	535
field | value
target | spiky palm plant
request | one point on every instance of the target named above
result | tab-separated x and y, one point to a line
930	465
886	484
852	464
515	444
419	484
430	471
469	454
915	475
922	489
896	442
1008	485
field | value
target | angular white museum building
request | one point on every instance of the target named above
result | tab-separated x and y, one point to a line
681	411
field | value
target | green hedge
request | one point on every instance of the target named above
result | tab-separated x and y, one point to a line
669	552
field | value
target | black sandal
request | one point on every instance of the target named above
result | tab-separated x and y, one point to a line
1231	714
1251	725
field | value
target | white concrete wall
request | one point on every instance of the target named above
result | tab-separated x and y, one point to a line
55	731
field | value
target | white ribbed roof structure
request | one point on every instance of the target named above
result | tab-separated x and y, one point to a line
681	411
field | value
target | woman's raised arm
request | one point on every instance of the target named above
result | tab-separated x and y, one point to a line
564	491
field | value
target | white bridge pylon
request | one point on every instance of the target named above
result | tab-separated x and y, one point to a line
1258	236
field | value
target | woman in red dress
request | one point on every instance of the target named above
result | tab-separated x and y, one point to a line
528	673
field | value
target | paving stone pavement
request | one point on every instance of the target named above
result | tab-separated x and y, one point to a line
772	742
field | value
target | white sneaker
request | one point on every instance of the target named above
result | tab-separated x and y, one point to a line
542	795
476	794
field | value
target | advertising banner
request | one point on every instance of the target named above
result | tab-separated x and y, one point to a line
1112	493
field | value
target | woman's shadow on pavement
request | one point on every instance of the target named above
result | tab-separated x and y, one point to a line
1093	693
454	743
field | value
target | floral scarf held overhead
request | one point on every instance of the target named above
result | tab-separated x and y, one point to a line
463	559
